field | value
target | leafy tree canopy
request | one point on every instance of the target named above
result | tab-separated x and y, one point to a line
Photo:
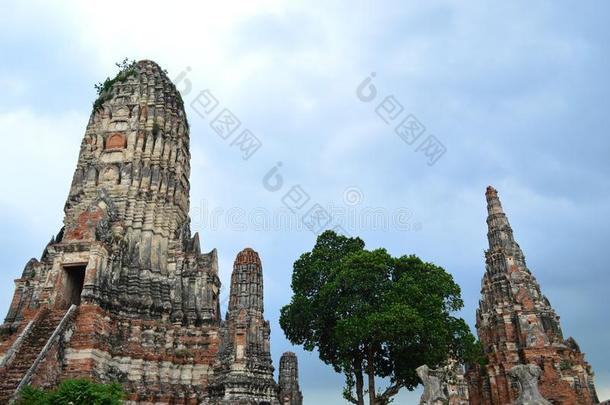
370	314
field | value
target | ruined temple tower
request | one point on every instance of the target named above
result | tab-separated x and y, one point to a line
290	392
517	325
123	292
246	371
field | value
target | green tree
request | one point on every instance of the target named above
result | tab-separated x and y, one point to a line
373	315
74	392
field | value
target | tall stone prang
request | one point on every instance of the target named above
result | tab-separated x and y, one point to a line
123	292
290	392
244	370
517	326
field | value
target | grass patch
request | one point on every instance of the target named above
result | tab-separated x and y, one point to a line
183	353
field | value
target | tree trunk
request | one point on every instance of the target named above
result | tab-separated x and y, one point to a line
392	390
370	365
359	381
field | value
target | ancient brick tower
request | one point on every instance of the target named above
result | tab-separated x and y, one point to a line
517	325
245	370
123	292
290	393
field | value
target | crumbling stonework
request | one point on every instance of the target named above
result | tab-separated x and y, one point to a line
456	384
526	377
445	385
433	394
290	392
517	325
147	298
244	370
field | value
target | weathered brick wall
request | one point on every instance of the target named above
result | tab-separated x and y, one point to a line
150	358
517	325
149	313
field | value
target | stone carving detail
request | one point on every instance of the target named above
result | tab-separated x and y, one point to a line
527	378
517	325
433	389
455	384
103	230
149	306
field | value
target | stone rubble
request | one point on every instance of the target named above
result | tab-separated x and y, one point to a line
527	382
433	386
446	385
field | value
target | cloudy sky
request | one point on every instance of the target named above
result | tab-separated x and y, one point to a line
514	93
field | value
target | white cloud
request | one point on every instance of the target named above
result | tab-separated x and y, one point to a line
40	154
490	82
13	86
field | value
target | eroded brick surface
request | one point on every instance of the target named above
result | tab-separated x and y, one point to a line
290	392
517	325
148	310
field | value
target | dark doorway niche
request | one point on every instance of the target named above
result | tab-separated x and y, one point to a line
75	279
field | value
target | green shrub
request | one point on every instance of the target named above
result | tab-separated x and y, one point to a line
126	69
183	353
74	392
33	396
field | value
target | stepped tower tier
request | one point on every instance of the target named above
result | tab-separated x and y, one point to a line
126	223
517	325
123	292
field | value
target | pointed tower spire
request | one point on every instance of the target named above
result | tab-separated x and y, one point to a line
517	325
503	251
500	234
